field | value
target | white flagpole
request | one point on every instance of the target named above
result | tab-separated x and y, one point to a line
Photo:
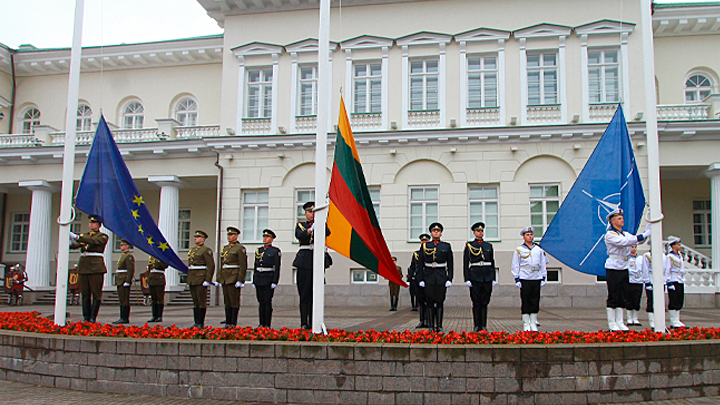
66	210
653	151
324	80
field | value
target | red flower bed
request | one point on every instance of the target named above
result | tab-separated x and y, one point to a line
33	322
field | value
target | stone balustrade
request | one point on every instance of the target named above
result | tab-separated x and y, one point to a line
683	112
544	114
305	123
366	121
483	116
424	119
19	141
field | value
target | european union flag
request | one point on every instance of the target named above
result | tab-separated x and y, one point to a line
609	180
108	192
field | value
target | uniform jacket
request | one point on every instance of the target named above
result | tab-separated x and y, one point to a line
412	270
91	242
156	279
126	262
635	270
619	244
304	256
478	261
437	252
395	288
674	266
267	256
529	263
200	255
233	264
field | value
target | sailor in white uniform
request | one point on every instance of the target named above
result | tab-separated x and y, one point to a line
529	268
635	288
674	265
645	265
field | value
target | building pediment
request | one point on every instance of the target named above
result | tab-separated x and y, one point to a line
604	27
366	41
257	48
424	38
543	30
482	34
307	45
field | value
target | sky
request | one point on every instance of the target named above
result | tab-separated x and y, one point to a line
49	23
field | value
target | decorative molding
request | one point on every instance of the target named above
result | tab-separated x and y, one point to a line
605	27
423	38
365	42
543	30
257	48
482	34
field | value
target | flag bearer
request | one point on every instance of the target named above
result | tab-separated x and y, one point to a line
123	279
529	267
419	292
635	287
435	274
674	265
479	273
201	268
394	288
232	275
156	285
91	267
266	276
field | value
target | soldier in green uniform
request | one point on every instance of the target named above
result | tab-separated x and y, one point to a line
394	289
232	275
201	267
156	284
91	267
123	278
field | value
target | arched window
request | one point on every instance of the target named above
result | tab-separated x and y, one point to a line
30	119
186	112
84	118
697	87
133	115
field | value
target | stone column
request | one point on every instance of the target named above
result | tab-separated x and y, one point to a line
37	261
168	219
713	172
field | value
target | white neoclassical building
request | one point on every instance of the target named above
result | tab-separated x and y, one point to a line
463	111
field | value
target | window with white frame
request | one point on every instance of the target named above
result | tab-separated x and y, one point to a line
254	215
184	230
424	78
84	118
308	82
604	75
30	119
375	198
19	231
186	112
363	276
544	204
301	197
702	230
423	210
697	88
482	74
542	75
554	275
259	93
484	208
367	87
133	115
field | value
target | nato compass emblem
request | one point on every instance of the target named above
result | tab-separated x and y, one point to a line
605	206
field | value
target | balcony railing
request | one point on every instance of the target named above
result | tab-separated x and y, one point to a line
424	119
19	141
488	116
700	277
120	135
256	125
683	112
544	114
305	123
602	112
197	131
366	121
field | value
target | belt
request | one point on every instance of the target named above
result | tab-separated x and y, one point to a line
436	265
619	257
530	268
120	271
157	271
263	269
678	271
306	247
231	266
84	254
197	267
480	264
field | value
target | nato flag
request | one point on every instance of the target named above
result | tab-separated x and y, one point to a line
108	192
609	180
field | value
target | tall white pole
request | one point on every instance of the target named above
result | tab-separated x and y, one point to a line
324	80
66	214
653	151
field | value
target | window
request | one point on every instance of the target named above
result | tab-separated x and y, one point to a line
484	208
259	93
544	204
542	74
375	198
186	112
424	75
84	118
184	230
249	276
367	87
423	210
697	87
303	196
554	275
255	215
133	115
604	76
30	120
482	82
362	276
20	229
308	91
702	230
76	224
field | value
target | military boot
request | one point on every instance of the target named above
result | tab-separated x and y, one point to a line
86	309
95	310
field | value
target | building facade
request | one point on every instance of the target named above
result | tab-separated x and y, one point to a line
463	111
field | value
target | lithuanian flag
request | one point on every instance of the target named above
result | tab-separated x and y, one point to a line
355	230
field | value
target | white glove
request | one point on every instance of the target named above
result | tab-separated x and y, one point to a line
253	286
421	284
468	283
312	227
494	283
74	236
542	283
518	284
206	284
647	232
239	285
649	287
671	286
448	283
272	286
126	284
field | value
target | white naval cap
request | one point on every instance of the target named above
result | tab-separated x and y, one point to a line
616	211
526	230
673	241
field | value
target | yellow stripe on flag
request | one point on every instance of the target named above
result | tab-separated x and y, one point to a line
339	239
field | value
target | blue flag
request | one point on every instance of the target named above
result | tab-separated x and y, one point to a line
108	192
609	180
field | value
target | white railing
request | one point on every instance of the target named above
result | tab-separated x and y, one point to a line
424	119
544	114
365	121
19	140
305	123
483	116
120	135
602	112
81	138
197	131
683	112
256	125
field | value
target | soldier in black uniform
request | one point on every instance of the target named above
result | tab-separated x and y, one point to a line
266	276
304	232
479	273
435	274
419	292
123	278
91	267
156	285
